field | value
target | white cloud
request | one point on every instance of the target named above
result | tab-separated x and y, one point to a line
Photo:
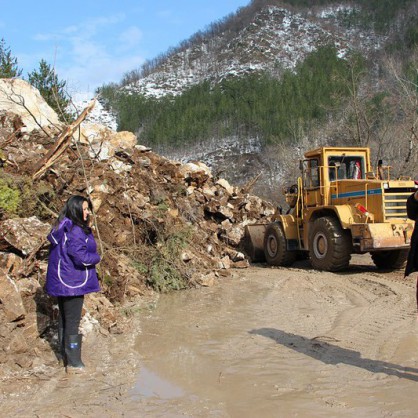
85	50
169	17
95	51
165	13
45	37
86	29
96	72
70	29
130	37
91	26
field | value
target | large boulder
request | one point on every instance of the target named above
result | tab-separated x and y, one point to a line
23	234
19	97
104	142
10	299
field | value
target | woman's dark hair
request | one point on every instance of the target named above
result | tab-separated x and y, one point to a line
73	209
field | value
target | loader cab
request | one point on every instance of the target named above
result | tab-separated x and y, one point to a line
325	167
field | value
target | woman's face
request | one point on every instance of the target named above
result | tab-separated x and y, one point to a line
86	211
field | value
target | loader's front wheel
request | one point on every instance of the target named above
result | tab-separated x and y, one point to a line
330	245
390	260
275	248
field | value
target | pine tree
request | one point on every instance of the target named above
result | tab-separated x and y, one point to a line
52	89
8	63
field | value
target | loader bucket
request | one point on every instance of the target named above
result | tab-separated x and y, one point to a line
254	242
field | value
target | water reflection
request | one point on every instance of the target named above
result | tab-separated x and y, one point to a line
150	385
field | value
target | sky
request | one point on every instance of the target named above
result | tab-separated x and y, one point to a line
93	42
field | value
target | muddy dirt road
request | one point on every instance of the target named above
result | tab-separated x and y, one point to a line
270	342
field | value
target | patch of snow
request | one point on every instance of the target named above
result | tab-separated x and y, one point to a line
332	12
98	115
210	150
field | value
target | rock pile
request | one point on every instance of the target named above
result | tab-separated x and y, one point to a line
159	224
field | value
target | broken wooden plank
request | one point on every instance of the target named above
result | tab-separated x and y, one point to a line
62	143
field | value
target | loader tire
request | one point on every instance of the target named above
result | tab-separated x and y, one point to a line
330	246
275	249
390	260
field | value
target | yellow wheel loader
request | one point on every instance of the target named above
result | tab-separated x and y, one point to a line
339	206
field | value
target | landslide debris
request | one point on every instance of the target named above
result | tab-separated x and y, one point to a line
160	225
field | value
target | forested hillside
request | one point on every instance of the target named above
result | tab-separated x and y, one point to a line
255	104
289	74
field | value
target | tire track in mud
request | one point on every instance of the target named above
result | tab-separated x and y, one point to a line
385	306
363	316
370	306
395	317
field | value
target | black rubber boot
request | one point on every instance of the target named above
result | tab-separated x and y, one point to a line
73	354
61	350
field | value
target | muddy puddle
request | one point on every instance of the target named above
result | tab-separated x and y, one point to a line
279	343
193	351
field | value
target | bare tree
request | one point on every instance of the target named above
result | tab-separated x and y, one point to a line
405	90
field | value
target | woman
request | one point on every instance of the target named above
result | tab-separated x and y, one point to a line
412	262
72	274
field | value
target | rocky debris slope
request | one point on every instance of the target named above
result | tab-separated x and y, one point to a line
160	225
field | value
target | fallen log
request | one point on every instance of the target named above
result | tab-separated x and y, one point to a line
250	184
61	145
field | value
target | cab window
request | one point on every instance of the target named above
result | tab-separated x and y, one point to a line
346	167
312	173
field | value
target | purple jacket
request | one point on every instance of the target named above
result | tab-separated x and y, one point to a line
72	259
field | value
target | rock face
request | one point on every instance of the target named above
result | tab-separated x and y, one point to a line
160	226
11	300
25	235
19	97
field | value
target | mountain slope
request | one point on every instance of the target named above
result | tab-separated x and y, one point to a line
276	39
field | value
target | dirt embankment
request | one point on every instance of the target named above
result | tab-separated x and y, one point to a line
267	342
